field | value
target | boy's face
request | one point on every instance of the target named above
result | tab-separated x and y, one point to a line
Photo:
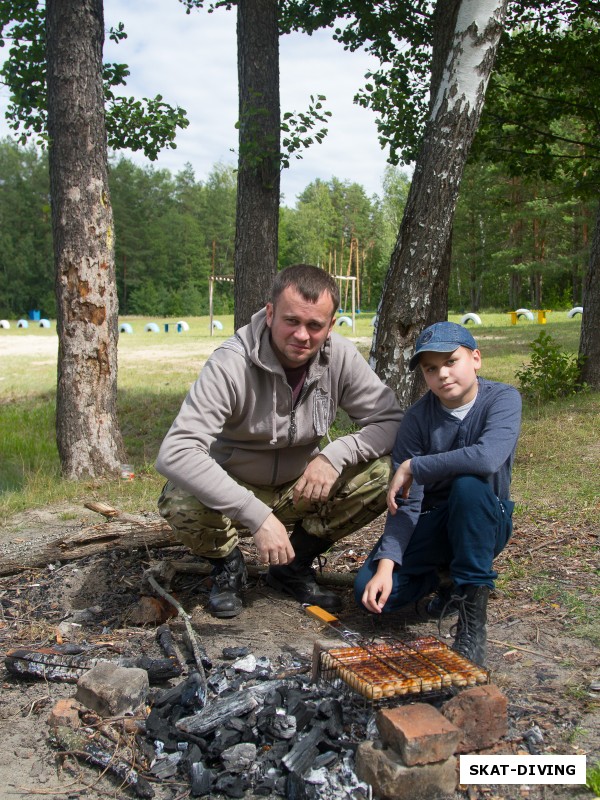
452	376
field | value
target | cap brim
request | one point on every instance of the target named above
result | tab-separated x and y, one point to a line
438	347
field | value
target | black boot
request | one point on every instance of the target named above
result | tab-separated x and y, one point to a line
298	579
442	604
471	634
229	578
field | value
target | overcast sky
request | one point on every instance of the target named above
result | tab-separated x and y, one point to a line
191	61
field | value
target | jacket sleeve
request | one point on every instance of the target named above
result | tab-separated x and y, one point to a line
372	406
399	527
184	456
489	450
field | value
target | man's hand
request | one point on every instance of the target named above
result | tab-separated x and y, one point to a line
379	587
402	480
273	543
315	484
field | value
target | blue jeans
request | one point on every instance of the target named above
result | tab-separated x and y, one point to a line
464	534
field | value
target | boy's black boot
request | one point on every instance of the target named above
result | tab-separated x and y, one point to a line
229	577
298	577
471	633
442	604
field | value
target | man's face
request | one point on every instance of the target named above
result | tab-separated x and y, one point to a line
452	376
299	328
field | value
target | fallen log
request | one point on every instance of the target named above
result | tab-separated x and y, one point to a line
120	531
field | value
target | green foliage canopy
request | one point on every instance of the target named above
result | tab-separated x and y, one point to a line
149	124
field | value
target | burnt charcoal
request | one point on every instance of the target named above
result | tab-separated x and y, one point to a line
262	674
325	759
201	779
265	786
189	693
231	653
231	785
274	697
161	729
304	714
281	726
273	754
166	767
303	753
239	758
223	739
218	683
344	745
192	755
294	696
159	669
297	789
330	707
145	748
236	724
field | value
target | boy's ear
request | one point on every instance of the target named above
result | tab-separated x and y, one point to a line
477	359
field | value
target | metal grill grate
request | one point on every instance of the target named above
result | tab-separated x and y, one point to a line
397	668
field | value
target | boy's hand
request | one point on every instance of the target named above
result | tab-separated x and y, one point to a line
402	480
379	587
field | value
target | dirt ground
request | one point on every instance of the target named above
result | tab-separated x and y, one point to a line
549	674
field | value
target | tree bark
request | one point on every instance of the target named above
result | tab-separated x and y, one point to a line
257	215
416	272
589	341
87	430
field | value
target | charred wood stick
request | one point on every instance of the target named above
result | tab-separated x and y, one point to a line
77	744
198	651
114	513
48	664
212	715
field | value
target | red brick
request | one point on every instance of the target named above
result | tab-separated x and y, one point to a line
390	779
481	715
418	732
65	712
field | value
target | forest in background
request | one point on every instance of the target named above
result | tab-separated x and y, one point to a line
516	241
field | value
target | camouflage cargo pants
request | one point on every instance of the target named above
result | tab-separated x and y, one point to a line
358	497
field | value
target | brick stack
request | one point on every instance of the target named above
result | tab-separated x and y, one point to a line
415	757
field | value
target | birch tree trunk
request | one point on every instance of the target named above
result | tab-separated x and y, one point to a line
257	212
415	276
88	436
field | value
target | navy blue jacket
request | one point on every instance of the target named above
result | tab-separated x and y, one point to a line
441	447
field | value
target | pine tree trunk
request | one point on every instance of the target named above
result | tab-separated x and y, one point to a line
257	215
408	293
88	436
589	342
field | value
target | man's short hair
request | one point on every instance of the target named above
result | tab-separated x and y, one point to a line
310	282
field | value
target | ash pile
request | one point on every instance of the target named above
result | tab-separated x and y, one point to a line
247	730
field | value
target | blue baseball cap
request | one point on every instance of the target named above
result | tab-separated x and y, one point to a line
441	337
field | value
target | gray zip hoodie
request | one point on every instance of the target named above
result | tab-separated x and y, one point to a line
238	421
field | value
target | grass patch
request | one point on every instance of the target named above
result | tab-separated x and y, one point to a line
593	778
555	470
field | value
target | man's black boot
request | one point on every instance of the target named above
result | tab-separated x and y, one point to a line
298	578
229	577
471	634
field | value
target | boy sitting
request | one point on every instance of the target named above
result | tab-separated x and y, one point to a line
449	506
